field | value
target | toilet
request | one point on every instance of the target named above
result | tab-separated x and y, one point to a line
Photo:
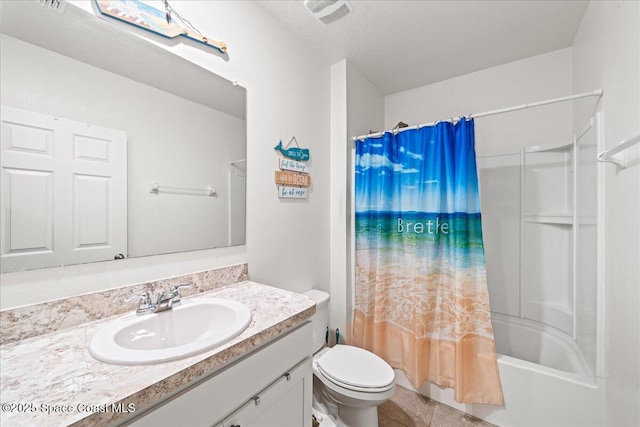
349	382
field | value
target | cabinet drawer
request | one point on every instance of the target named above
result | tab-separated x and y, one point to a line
284	403
211	399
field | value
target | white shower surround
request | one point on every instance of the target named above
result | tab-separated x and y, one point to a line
543	373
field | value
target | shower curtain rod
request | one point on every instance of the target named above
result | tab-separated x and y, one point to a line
597	92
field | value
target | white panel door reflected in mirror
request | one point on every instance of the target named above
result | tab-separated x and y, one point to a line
185	128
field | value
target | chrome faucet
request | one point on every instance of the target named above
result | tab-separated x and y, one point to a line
145	306
165	301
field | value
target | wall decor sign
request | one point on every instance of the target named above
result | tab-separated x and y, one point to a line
292	178
167	23
286	192
291	165
295	153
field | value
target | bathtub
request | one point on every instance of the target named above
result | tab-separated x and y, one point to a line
539	344
545	381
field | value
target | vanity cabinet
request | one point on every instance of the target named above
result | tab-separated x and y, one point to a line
280	404
271	386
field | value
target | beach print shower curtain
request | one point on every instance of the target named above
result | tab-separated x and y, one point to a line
421	299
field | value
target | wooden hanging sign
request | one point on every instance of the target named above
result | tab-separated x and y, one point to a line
295	153
292	178
161	22
286	192
291	165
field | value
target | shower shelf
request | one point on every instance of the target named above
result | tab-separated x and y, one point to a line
563	146
550	218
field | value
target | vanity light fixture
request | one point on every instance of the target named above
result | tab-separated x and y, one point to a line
327	11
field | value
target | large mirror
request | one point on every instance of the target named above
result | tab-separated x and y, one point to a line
112	147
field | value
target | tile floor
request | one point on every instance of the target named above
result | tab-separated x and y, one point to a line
409	409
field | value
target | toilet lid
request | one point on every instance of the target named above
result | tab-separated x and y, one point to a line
355	366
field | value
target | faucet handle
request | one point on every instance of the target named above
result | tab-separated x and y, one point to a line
175	291
143	296
144	304
174	288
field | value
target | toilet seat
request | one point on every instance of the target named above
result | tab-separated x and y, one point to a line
356	369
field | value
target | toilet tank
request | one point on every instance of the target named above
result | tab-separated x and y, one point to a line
320	320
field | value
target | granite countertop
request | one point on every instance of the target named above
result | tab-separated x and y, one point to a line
52	380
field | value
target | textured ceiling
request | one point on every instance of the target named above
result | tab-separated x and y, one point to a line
401	45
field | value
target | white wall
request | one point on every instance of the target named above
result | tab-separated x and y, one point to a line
338	213
356	107
606	53
287	94
532	79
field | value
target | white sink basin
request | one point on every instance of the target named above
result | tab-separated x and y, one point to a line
194	326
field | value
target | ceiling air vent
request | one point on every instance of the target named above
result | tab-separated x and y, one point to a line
327	11
57	5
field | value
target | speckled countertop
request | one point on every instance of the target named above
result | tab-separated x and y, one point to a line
52	380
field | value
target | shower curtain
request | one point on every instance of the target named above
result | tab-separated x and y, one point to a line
421	299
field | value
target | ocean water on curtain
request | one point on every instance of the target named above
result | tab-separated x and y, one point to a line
431	234
421	299
430	258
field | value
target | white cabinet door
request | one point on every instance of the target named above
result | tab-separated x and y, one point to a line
285	403
229	391
63	192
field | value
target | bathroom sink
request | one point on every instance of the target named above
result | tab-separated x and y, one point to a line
194	326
